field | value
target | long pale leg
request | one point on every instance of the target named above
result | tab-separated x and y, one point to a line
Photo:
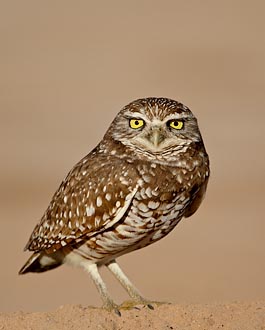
128	286
108	303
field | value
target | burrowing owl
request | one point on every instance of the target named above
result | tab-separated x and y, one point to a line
150	170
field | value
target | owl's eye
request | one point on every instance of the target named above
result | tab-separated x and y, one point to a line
136	123
176	124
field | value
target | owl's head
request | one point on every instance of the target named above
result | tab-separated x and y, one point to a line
155	126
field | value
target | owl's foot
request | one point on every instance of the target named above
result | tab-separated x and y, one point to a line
110	306
137	304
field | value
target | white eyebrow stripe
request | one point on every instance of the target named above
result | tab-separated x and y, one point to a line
136	115
176	116
157	121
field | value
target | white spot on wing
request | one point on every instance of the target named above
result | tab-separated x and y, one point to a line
97	221
105	216
123	209
99	201
108	196
90	210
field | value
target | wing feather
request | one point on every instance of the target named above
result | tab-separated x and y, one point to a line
92	198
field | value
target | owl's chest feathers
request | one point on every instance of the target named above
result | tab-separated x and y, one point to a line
163	196
165	181
151	214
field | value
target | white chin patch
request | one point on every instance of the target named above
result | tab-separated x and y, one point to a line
163	146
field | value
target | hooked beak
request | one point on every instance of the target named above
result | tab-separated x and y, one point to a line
156	137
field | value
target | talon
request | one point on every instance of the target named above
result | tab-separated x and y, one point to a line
117	312
134	304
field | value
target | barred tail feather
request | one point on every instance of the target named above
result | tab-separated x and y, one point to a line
39	262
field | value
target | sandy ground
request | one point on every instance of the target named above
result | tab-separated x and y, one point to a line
233	316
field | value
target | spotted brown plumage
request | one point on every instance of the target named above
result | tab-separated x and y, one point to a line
88	200
149	171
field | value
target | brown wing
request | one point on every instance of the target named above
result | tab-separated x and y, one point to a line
95	195
197	198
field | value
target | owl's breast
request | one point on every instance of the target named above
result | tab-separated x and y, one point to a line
148	219
152	210
163	197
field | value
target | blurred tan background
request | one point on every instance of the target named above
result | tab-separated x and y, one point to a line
66	68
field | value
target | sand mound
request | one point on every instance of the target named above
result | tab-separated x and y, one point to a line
233	316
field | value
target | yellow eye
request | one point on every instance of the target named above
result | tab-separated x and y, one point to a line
136	123
176	124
